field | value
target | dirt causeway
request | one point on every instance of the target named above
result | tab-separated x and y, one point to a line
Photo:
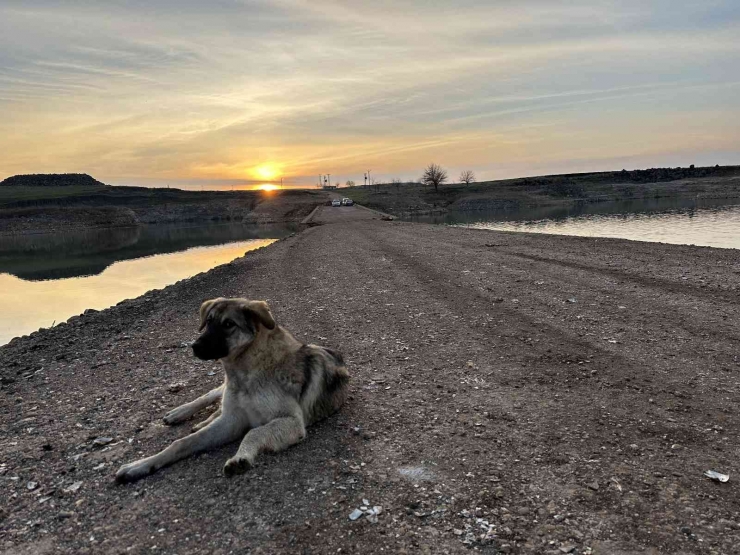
510	393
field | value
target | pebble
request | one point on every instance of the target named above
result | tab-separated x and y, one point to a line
32	485
100	441
73	487
594	485
354	515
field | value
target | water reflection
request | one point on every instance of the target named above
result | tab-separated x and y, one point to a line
710	223
90	252
29	305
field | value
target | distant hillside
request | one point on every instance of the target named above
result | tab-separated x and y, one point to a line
713	182
52	180
55	202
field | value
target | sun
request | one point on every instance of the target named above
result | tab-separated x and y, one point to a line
268	172
267	187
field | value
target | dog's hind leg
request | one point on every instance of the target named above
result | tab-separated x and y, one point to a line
183	412
208	420
274	436
219	432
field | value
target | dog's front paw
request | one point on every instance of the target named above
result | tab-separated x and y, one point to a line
133	471
236	466
175	416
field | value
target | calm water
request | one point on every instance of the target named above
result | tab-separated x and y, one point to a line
49	278
686	222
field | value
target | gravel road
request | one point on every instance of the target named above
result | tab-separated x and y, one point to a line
510	393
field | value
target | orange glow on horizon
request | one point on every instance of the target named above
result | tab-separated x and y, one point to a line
268	172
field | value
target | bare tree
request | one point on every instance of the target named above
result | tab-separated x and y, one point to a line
467	177
350	183
397	183
434	175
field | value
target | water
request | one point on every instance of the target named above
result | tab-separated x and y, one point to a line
49	278
711	223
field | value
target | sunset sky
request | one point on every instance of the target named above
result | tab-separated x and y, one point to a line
186	92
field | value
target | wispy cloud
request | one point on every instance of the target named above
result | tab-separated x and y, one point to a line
179	90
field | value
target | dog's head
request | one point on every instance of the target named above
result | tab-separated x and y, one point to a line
229	326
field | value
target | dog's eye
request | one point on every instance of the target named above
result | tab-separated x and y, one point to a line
228	324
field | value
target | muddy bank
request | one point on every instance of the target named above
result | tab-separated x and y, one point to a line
55	219
512	393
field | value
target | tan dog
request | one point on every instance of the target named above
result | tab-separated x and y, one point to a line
275	386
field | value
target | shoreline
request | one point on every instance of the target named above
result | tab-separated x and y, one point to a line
470	351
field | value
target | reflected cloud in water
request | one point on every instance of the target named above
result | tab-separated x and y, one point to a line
29	305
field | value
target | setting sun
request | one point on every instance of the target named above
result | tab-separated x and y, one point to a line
267	187
266	171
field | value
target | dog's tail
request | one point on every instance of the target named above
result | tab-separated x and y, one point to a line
325	383
336	355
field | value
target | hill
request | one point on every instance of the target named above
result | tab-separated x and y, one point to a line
48	193
51	180
691	182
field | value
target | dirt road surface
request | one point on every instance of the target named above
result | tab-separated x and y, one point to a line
510	393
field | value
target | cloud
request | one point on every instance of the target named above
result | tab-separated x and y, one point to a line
182	90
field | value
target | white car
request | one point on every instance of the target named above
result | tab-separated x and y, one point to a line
336	202
347	202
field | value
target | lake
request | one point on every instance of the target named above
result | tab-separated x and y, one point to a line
705	222
46	279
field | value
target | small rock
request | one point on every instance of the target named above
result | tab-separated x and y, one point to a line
65	514
567	548
593	485
32	485
73	487
100	441
717	476
634	446
356	430
572	300
354	515
175	387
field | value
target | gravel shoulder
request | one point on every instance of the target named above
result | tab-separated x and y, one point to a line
510	393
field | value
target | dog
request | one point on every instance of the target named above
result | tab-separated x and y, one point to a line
274	387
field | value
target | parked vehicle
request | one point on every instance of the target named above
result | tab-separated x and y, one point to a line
347	202
336	202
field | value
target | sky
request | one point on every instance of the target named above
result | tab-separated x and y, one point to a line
230	93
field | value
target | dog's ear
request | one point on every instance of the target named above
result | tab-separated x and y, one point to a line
261	311
205	308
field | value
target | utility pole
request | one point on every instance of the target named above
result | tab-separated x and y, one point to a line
329	179
369	181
